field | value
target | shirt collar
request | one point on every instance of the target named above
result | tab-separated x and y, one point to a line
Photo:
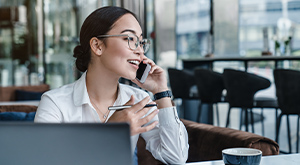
121	96
81	95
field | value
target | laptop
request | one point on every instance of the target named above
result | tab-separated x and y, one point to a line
65	144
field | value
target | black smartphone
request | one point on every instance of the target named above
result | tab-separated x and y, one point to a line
142	72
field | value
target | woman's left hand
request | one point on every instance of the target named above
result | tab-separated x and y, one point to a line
156	80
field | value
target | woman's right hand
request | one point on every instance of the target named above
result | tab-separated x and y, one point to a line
134	115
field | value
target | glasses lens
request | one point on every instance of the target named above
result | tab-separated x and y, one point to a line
145	43
132	41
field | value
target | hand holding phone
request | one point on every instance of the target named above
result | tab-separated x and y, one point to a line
143	72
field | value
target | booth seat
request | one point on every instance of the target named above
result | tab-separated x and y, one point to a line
20	93
206	142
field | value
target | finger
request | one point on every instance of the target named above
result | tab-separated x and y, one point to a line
148	127
148	61
148	118
142	112
140	105
130	101
152	102
155	68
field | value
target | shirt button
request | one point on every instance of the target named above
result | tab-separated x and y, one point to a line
177	119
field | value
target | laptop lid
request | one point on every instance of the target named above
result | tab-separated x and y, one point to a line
65	144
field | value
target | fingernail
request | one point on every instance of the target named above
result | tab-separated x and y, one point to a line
157	111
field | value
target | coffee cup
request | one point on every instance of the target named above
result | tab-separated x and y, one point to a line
241	156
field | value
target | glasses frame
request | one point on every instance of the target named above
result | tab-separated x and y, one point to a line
144	42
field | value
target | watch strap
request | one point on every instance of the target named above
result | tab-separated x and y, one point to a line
163	94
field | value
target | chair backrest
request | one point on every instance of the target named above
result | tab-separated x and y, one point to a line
241	87
181	81
287	83
9	93
210	85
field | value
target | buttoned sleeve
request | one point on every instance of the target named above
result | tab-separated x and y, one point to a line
168	141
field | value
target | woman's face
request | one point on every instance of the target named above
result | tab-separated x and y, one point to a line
117	57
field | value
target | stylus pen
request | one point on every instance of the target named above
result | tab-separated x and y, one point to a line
121	107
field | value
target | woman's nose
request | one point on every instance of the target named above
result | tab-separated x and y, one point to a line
139	49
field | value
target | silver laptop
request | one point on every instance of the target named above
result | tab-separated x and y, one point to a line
64	144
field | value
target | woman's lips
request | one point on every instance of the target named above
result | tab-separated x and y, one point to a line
134	63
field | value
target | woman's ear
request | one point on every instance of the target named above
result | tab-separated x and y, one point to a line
96	46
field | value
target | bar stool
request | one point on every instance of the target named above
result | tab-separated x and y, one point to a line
287	84
181	82
241	88
210	86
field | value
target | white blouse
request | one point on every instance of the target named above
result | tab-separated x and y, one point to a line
168	141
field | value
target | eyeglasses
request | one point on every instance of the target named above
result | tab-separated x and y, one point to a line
133	41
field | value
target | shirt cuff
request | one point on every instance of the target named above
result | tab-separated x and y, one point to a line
168	115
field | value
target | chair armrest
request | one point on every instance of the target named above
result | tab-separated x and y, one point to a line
144	156
207	141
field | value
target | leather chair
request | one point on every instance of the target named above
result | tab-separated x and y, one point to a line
241	88
206	142
287	84
181	82
266	102
210	87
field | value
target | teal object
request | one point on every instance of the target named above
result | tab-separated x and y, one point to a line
241	156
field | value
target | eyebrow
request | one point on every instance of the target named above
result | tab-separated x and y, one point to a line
129	30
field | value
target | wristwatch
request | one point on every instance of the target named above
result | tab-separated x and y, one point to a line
163	94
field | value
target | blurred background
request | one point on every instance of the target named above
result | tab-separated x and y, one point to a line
37	37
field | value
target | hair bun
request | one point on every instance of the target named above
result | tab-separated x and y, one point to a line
82	62
78	51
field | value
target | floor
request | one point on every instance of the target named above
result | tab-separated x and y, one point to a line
269	125
269	122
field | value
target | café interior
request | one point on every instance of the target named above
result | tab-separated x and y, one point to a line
230	64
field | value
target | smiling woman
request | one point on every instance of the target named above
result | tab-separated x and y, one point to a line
111	46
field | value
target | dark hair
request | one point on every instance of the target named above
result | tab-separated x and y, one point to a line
97	23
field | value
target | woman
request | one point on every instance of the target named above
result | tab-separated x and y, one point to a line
111	47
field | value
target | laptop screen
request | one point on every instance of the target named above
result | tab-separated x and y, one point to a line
53	144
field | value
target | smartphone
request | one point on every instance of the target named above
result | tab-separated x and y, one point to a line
142	72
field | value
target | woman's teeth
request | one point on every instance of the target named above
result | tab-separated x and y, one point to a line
134	62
